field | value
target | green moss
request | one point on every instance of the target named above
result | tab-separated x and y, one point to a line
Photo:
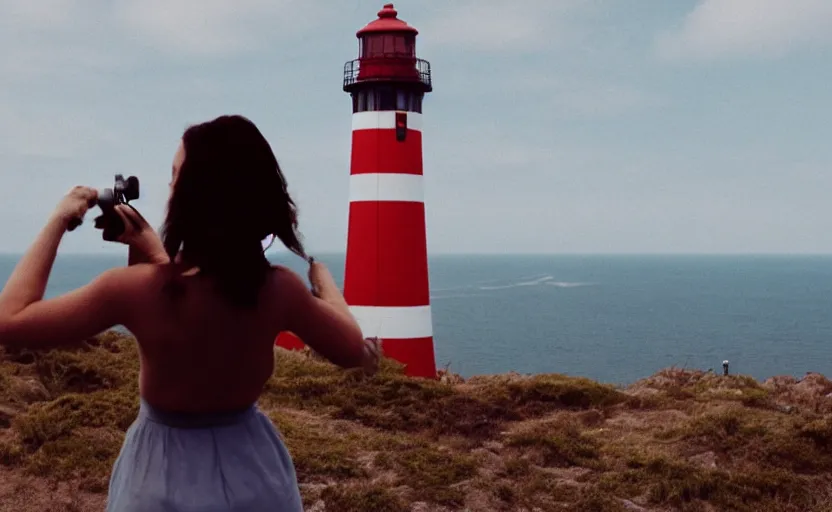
85	371
82	454
430	472
819	432
50	421
387	401
318	456
11	453
362	498
559	444
517	467
770	440
593	500
542	394
680	485
540	487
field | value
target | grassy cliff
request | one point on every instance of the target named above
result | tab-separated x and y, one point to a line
679	440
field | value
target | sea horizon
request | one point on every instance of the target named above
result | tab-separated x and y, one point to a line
615	318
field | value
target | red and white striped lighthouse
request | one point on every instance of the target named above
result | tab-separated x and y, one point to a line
386	276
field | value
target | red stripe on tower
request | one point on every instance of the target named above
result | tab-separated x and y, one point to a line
386	280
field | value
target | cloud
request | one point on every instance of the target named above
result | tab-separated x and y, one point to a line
52	39
762	28
216	27
497	25
579	94
585	97
43	14
54	133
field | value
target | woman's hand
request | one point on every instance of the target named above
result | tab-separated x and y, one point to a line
372	355
74	206
140	236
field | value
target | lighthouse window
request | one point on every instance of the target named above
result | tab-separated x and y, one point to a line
386	99
389	45
373	46
400	45
415	103
410	46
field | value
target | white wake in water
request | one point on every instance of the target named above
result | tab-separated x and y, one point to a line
534	282
560	284
538	280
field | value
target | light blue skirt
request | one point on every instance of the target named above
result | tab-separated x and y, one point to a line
229	462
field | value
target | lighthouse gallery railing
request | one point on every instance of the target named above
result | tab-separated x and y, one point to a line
353	67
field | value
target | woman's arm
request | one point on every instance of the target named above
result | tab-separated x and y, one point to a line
67	319
27	283
26	319
324	324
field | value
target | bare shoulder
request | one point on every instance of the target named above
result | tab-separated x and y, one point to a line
136	273
135	278
287	280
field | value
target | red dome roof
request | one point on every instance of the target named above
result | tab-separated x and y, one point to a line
387	22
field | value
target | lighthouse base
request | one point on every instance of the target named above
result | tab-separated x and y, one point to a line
415	354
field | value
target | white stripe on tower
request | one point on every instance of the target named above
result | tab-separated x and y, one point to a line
387	187
383	120
394	323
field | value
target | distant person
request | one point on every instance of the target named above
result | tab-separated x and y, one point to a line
205	306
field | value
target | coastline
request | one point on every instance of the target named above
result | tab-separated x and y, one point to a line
679	439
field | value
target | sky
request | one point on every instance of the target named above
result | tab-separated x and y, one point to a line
555	126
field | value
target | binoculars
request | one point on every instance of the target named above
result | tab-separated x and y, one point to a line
123	191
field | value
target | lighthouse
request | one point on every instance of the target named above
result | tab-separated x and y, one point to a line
386	280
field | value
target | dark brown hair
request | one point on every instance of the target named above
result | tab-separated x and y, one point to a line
229	196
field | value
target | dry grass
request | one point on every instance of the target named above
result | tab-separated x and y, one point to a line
679	440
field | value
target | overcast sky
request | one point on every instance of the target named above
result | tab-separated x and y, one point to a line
554	125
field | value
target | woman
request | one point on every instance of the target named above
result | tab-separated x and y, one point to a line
205	307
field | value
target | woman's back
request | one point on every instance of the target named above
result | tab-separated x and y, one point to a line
198	353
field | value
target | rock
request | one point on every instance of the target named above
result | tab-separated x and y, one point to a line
779	382
813	391
7	414
629	505
490	464
814	384
318	506
591	418
447	377
706	460
29	390
493	446
420	506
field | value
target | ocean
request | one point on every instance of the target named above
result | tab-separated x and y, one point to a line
611	318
